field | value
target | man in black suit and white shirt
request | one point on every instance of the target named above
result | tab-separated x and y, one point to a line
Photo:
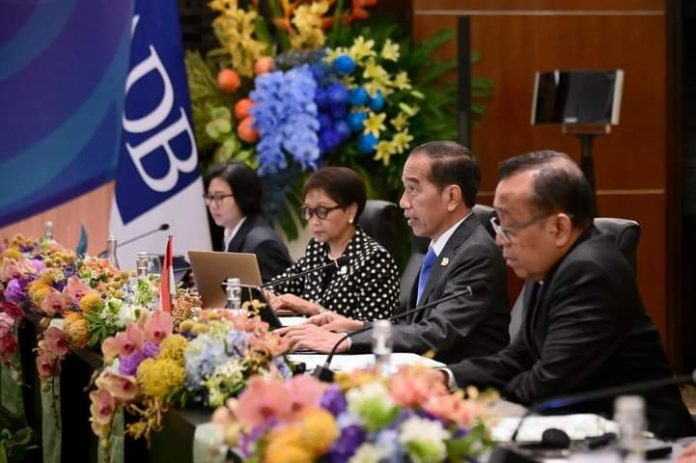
584	325
440	186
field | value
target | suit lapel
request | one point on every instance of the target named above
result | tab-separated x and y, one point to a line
441	265
237	243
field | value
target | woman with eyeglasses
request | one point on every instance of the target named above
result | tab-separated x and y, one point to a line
367	287
233	197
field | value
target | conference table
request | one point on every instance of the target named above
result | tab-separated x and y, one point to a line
178	437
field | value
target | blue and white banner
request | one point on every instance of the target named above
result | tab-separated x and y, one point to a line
62	68
157	180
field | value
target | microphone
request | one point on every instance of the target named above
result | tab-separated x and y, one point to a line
324	372
338	263
564	401
163	227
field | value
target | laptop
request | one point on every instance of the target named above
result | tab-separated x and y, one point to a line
212	269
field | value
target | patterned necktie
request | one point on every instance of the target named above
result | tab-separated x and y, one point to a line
427	265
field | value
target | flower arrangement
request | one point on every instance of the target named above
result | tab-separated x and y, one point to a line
364	417
148	367
298	84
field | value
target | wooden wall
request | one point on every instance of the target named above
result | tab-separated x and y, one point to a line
517	38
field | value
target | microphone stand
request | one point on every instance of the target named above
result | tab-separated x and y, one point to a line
340	262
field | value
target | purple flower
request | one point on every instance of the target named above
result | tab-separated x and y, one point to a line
14	291
333	400
347	443
150	349
129	364
40	266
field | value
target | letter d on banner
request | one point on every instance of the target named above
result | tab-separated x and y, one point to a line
157	179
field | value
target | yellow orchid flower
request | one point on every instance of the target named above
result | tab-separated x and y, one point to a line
390	50
374	123
384	152
362	49
402	81
400	121
401	141
333	53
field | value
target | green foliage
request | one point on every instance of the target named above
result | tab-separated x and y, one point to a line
16	439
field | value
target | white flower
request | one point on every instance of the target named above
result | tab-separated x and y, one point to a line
127	315
424	440
367	453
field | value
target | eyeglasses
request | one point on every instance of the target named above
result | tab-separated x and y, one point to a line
506	232
216	198
321	212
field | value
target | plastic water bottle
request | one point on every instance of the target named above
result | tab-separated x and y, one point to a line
112	245
141	264
629	414
48	232
382	346
233	288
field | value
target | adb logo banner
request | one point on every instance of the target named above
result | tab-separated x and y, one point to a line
159	157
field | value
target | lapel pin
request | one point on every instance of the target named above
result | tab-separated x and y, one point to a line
444	261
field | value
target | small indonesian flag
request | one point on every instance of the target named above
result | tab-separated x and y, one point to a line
167	285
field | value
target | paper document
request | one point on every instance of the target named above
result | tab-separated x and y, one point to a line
355	362
578	426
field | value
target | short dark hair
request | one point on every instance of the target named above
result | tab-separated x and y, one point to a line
343	185
559	184
452	164
245	184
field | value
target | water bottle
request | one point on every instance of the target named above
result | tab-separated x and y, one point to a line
234	294
629	414
48	232
142	264
112	244
382	346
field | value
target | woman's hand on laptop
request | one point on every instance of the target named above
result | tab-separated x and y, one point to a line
332	321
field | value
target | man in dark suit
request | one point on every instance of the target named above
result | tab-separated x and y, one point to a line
440	186
234	194
585	326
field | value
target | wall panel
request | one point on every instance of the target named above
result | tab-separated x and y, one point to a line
517	38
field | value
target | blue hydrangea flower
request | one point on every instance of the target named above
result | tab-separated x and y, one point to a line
201	356
285	114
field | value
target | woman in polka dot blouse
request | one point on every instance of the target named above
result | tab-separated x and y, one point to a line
367	287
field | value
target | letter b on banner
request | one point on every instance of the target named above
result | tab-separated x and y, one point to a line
159	155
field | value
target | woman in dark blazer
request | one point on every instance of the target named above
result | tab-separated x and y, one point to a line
233	197
367	287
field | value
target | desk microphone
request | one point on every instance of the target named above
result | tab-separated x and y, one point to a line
324	373
163	227
338	263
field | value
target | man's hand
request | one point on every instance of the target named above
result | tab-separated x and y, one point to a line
312	337
289	304
688	454
332	321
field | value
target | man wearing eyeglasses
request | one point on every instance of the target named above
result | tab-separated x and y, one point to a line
584	325
440	186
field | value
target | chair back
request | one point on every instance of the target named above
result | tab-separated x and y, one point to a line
379	221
